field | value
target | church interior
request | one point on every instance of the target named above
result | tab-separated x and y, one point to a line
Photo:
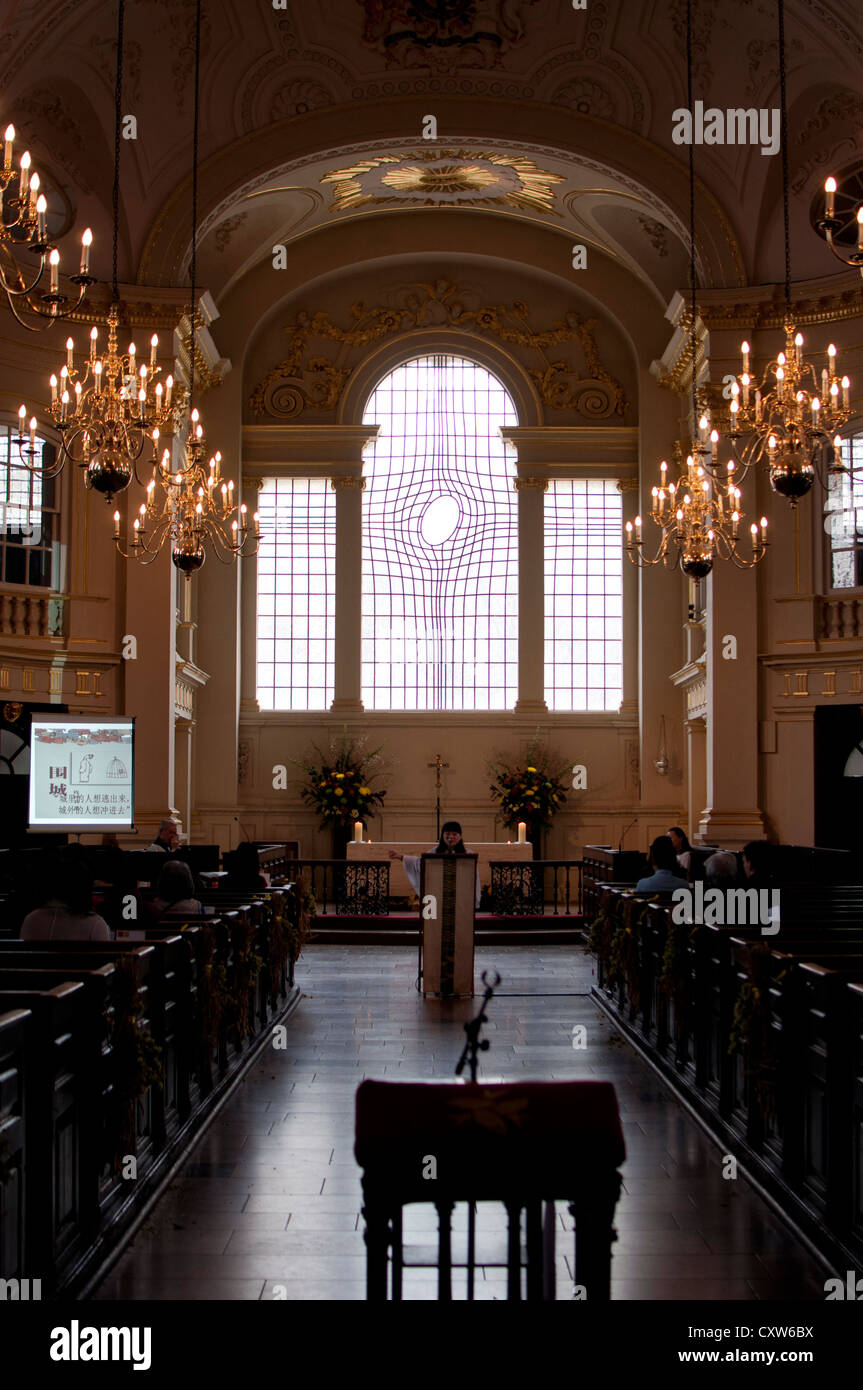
431	652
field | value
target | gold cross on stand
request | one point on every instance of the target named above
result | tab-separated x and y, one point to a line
438	764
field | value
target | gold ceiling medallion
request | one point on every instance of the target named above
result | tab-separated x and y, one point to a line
444	178
305	379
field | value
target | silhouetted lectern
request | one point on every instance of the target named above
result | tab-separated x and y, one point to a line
447	907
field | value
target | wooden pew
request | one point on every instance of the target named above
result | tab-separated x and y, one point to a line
62	1065
169	980
100	1185
15	1034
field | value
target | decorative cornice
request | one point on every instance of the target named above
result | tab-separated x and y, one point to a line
347	480
270	450
627	485
573	447
526	484
303	379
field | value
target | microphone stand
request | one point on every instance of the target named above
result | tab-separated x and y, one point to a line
470	1058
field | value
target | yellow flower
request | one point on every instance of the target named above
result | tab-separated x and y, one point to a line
338	792
365	791
531	769
340	774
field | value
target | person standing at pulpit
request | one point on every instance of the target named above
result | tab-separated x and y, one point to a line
450	842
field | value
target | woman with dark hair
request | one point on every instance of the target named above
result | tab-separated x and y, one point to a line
175	890
67	912
682	847
450	842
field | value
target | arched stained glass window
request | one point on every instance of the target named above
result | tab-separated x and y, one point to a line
440	542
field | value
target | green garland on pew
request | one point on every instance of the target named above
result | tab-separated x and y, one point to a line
247	966
137	1062
599	938
751	1034
675	976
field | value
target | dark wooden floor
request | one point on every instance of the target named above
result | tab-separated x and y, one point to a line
271	1194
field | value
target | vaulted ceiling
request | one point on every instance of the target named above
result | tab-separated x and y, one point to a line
315	114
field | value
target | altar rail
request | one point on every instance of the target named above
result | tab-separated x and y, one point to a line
361	888
528	890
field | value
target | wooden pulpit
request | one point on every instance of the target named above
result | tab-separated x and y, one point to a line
447	908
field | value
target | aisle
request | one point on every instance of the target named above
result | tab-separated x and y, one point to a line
271	1194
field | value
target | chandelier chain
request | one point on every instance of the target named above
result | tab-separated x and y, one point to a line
783	135
692	283
193	267
118	121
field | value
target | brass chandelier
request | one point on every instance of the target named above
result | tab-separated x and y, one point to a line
789	418
23	214
698	515
190	507
108	408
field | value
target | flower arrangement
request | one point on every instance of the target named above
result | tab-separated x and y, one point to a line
533	790
338	783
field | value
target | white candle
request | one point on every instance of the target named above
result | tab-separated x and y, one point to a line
358	832
522	833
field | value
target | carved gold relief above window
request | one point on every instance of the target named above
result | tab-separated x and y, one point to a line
307	378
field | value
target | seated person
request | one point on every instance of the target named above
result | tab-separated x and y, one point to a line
682	847
665	877
758	864
721	870
175	890
67	912
450	842
167	838
244	871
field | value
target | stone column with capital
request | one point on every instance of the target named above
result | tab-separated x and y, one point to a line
349	591
731	814
531	594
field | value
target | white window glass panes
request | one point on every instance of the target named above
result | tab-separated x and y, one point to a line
296	594
583	594
29	519
843	518
440	544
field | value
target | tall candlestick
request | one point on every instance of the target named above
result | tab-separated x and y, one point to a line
830	193
7	148
358	832
522	832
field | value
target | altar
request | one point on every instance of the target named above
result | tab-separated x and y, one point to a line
487	854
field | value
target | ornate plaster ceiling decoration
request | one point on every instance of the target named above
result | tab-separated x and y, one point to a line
441	178
578	381
444	34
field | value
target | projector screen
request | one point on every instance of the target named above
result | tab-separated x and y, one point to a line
81	773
